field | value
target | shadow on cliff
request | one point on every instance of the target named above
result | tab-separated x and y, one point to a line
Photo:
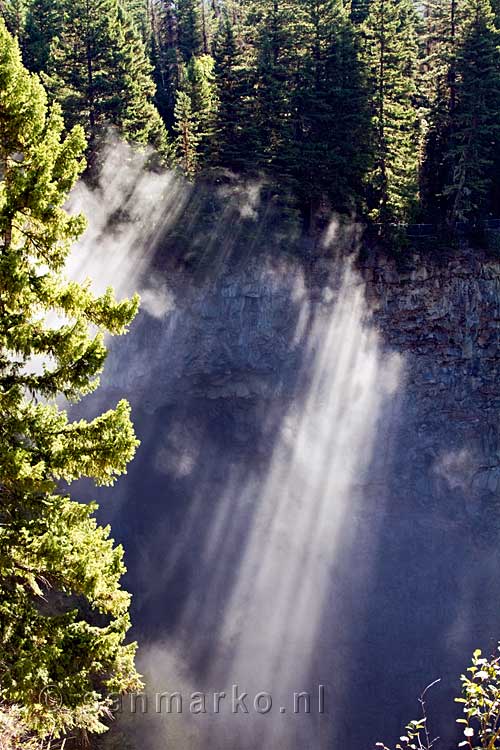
284	521
432	595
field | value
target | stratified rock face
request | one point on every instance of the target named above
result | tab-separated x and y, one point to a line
437	591
446	321
315	500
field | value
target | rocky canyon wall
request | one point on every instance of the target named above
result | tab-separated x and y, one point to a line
397	564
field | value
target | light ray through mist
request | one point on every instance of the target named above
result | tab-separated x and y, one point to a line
309	492
127	210
265	563
300	535
293	514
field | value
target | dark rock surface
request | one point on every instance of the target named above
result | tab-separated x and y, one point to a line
416	587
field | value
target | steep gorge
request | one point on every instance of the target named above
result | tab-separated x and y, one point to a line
311	524
408	585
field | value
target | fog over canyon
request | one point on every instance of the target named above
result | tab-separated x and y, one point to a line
312	501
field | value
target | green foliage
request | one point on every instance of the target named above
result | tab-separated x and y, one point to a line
199	84
167	62
275	53
474	122
98	69
481	703
63	615
391	60
359	10
14	13
137	10
384	108
43	23
438	99
460	166
481	708
364	106
189	32
330	107
187	129
14	733
231	146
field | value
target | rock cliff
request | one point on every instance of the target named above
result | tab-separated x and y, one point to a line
216	381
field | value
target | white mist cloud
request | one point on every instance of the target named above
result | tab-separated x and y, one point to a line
456	467
269	631
284	552
178	452
127	210
300	528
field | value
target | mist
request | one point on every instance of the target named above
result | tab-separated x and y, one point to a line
270	523
126	212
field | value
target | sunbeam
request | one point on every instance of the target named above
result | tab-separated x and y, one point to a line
287	552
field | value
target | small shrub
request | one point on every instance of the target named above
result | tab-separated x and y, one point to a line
481	708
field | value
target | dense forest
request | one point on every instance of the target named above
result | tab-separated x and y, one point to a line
387	111
384	109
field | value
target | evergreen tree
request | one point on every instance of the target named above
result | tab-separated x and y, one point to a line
166	58
329	153
63	615
391	59
187	129
438	93
359	10
208	18
14	13
99	71
275	55
233	144
43	23
199	84
189	31
475	126
137	10
140	122
495	7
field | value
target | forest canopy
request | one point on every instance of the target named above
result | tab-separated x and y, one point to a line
384	109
